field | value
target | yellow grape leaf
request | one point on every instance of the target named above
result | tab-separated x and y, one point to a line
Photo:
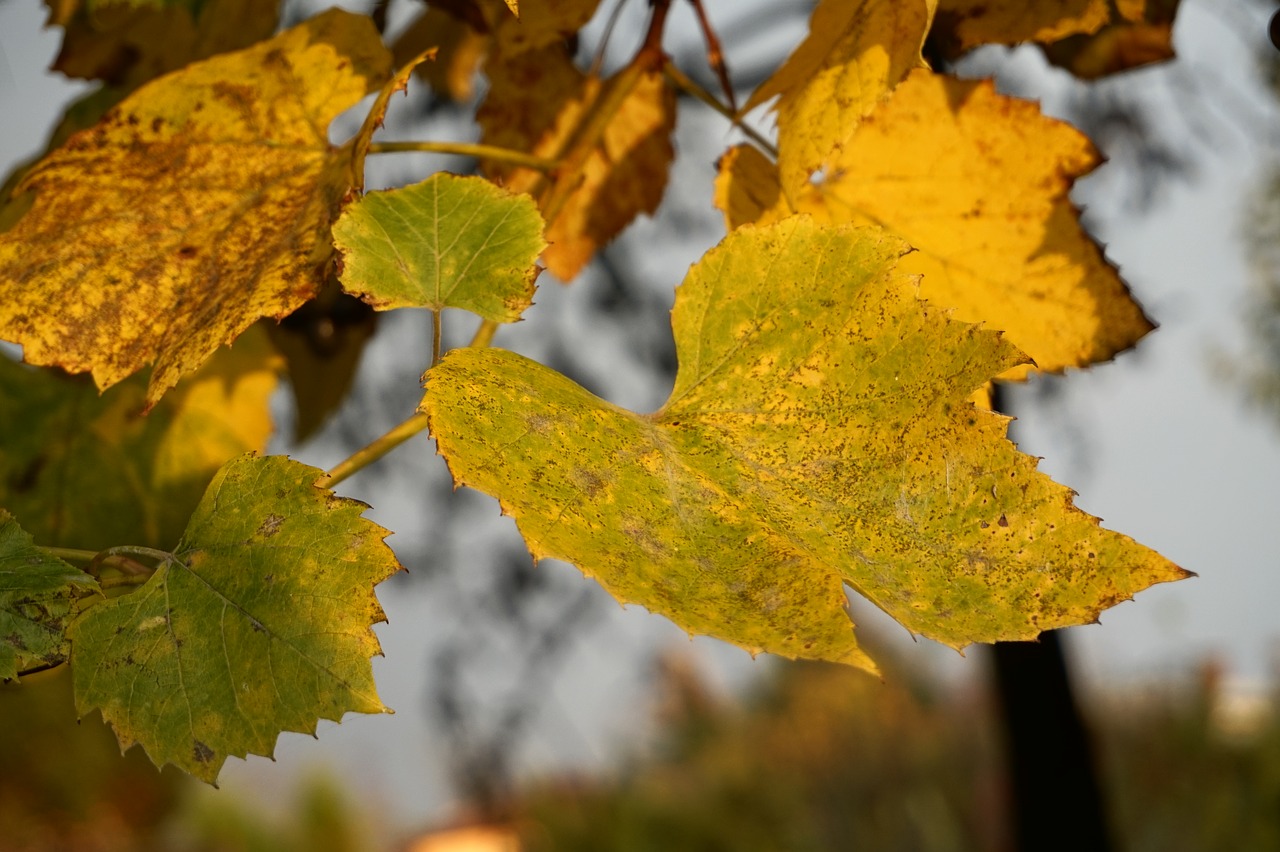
259	621
126	43
856	52
819	433
461	48
624	176
84	470
748	189
977	182
514	6
199	204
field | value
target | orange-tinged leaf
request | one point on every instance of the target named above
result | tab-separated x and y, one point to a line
819	432
748	190
461	49
965	24
1139	34
540	23
856	52
127	43
977	182
199	204
621	177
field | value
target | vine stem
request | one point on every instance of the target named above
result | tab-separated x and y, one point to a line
113	558
684	81
468	149
373	451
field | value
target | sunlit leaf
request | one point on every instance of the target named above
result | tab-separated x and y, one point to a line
200	203
85	470
856	52
38	594
622	177
447	242
259	623
963	24
977	182
540	23
1139	33
819	433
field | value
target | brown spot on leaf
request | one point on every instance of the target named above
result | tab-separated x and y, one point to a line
202	753
270	526
1004	522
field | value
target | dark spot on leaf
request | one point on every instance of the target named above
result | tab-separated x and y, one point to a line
188	252
269	579
270	526
156	124
1004	522
257	626
202	753
983	525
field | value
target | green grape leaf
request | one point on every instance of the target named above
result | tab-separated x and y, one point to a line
85	470
447	242
819	433
38	595
260	622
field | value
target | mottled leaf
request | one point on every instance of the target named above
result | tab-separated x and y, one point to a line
38	595
1139	33
199	204
978	183
85	470
447	242
819	433
856	52
260	622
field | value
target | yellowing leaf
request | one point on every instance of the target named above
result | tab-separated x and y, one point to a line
461	49
38	594
200	203
540	23
819	432
514	6
977	182
621	177
447	242
748	189
260	622
88	471
964	24
856	52
127	43
1139	33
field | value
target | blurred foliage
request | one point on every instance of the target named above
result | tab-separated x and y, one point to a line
827	759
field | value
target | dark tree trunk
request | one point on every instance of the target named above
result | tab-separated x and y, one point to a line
1056	796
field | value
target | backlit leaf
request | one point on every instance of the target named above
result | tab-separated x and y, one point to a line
447	242
856	52
85	470
622	177
540	23
461	48
199	204
259	623
977	182
38	594
819	433
1139	33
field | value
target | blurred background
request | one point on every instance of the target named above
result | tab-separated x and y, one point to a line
532	712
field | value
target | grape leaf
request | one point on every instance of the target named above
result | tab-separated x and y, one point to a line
854	55
624	176
977	182
540	23
461	49
1090	38
447	242
199	204
38	595
818	433
128	42
86	470
260	622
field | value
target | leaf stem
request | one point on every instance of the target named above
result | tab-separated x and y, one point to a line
484	334
435	338
373	451
468	149
70	554
688	84
117	582
112	558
